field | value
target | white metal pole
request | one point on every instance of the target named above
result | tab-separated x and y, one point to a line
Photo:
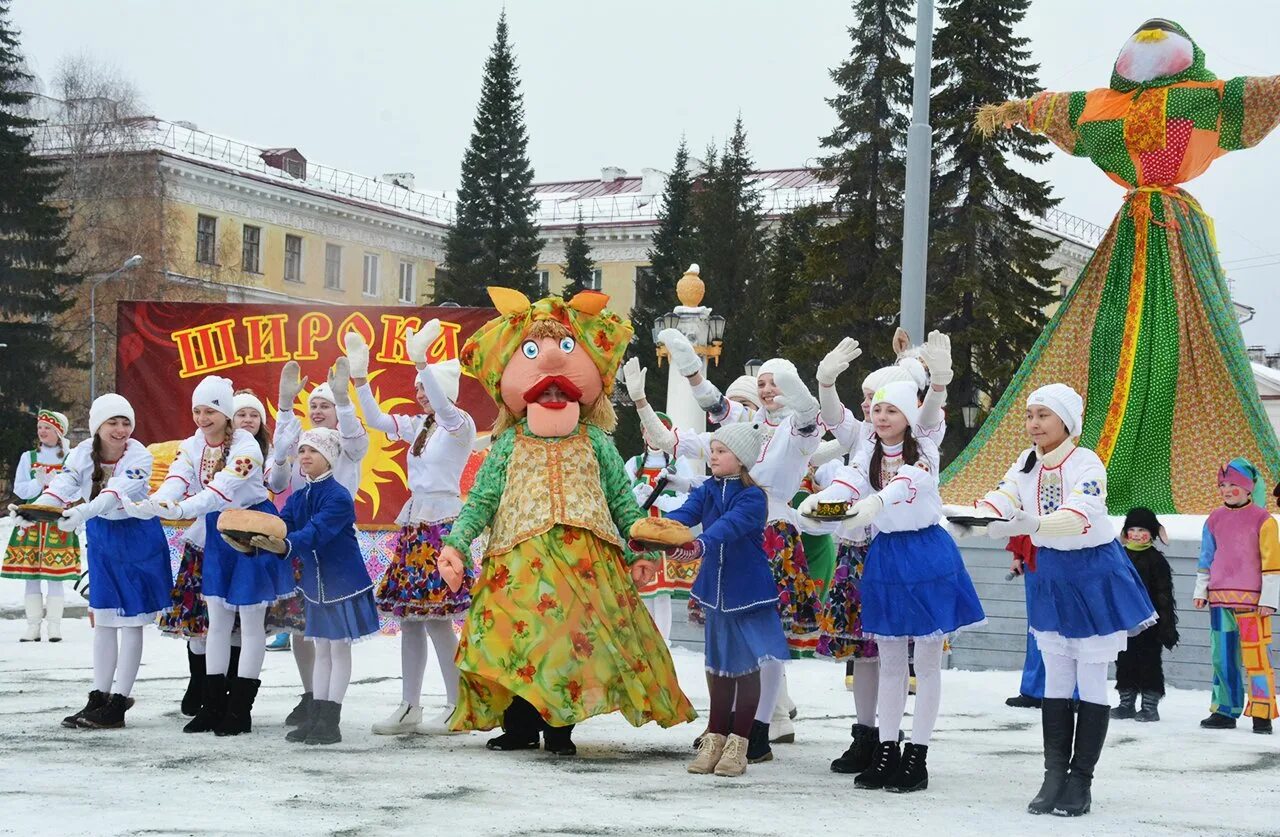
915	226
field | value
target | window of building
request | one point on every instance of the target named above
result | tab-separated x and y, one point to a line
206	239
370	284
293	258
408	293
544	283
597	279
251	251
333	267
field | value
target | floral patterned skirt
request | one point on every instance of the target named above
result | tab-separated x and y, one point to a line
288	615
840	625
412	587
557	621
187	616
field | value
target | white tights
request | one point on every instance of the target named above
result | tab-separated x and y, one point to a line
117	655
304	654
253	639
866	689
1062	675
54	588
773	684
659	608
413	658
893	687
332	673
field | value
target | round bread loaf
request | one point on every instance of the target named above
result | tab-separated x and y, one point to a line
661	531
243	524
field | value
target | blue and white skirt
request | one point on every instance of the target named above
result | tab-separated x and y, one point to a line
915	585
1086	603
236	579
129	576
739	642
345	621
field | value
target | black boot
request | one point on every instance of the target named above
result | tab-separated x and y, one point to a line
303	729
108	716
1150	707
214	706
1021	701
233	666
913	772
758	749
300	712
1218	721
1091	732
520	726
325	729
860	753
239	715
1057	723
559	740
1262	726
882	769
1126	709
195	684
96	700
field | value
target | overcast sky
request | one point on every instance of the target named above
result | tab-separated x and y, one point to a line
391	85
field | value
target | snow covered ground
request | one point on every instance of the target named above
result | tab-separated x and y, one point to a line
1167	778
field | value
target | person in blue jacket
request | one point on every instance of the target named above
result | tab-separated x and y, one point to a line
737	592
336	589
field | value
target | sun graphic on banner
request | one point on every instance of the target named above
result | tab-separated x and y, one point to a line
382	462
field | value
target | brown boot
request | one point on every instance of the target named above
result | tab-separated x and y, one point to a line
733	761
710	749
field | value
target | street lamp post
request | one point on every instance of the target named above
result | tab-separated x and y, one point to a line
705	331
129	264
915	226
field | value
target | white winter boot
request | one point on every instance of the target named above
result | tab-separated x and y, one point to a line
781	730
438	725
402	721
35	610
53	618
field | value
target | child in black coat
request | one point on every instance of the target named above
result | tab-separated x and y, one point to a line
1139	668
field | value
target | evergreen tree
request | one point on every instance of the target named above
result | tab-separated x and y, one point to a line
988	283
788	254
850	282
34	286
494	240
578	266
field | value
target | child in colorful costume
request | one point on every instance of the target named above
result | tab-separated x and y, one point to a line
1238	579
556	632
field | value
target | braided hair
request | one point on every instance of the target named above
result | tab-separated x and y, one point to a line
910	454
420	441
99	476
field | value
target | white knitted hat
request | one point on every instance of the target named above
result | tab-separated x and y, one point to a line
1065	402
774	365
323	392
248	399
448	374
916	369
215	392
744	386
886	375
325	440
901	394
743	439
106	407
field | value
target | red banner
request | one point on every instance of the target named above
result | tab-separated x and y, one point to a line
165	348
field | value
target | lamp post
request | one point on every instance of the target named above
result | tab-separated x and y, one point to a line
129	264
705	331
752	367
915	224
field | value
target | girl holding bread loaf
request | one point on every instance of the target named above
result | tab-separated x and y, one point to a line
219	470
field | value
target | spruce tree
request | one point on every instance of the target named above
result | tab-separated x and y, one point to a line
782	305
851	278
988	283
494	239
34	285
578	266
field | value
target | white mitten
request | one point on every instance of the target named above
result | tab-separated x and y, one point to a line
73	518
683	357
796	396
633	374
169	509
641	492
837	361
1022	523
357	354
290	385
416	343
865	511
936	353
142	510
837	492
339	380
16	518
287	440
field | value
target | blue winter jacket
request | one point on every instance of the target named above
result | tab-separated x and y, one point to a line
321	519
735	574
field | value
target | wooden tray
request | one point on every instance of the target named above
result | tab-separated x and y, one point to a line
40	513
974	520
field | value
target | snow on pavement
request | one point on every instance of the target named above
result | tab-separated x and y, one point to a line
985	763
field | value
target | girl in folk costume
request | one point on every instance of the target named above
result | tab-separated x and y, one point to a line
217	468
738	595
42	551
412	590
1085	597
791	435
128	559
914	586
321	522
656	472
556	633
329	406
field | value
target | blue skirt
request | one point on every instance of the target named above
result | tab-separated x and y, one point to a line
915	585
738	642
128	566
239	579
344	621
1081	593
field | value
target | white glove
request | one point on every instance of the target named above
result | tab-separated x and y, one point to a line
287	443
834	493
633	375
683	357
796	396
837	361
679	483
169	509
290	385
1022	523
936	354
416	343
18	521
865	511
339	380
142	510
357	354
73	518
641	492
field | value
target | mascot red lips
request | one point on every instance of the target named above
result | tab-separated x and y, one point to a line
554	392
